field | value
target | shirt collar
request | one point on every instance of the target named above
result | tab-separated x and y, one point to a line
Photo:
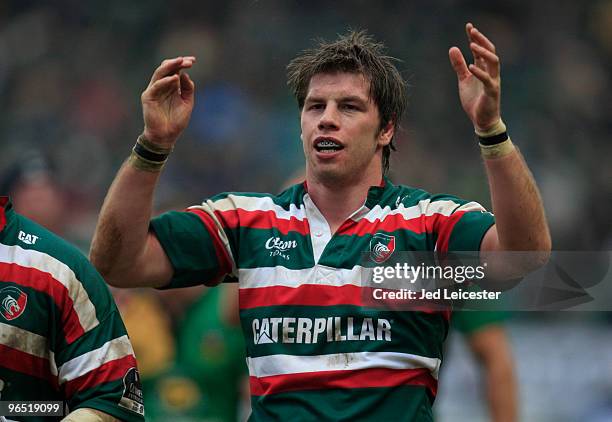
375	193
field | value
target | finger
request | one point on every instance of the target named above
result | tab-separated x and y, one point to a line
484	77
187	86
479	60
468	31
458	63
162	87
187	62
166	68
171	66
492	60
481	39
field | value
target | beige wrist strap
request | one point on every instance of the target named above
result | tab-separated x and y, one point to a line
498	150
140	163
498	128
495	142
147	156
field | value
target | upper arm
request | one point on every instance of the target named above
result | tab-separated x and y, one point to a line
152	268
156	266
490	241
507	265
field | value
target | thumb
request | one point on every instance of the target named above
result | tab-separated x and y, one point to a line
458	62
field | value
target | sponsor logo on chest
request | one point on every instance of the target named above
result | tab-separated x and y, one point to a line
280	247
320	330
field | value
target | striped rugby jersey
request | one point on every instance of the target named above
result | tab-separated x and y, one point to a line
61	335
314	351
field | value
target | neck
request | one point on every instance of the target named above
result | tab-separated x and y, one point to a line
338	199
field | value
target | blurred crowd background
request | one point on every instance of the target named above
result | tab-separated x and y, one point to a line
71	74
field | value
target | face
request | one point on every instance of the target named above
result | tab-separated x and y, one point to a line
341	130
40	200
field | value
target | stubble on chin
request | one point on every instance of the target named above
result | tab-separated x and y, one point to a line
332	176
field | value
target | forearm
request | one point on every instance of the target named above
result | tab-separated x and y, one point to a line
501	391
121	233
491	347
123	250
517	205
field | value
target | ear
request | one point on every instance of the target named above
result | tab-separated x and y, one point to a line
386	134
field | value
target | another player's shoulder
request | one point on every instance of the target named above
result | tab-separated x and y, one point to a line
36	248
26	235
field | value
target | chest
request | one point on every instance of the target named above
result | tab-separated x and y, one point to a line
310	244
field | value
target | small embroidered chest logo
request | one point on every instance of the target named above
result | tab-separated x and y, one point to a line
12	302
381	247
279	247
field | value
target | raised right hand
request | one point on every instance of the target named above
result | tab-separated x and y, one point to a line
168	101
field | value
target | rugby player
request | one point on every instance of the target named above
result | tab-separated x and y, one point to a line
313	350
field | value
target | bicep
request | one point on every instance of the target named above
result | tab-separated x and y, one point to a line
154	264
499	265
502	264
490	241
151	269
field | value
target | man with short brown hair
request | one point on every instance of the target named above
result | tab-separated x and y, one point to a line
314	350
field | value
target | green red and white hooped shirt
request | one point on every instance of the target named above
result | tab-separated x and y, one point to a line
314	351
61	335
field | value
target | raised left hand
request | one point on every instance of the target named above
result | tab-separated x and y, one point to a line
480	82
168	101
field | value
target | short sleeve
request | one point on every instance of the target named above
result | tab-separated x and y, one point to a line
464	227
195	246
470	228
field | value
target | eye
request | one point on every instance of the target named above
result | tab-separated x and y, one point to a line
316	106
350	107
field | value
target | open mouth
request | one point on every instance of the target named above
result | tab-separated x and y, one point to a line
327	145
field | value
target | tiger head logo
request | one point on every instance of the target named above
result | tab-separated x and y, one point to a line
12	302
381	247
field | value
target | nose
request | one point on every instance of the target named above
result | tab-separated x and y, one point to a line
329	118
